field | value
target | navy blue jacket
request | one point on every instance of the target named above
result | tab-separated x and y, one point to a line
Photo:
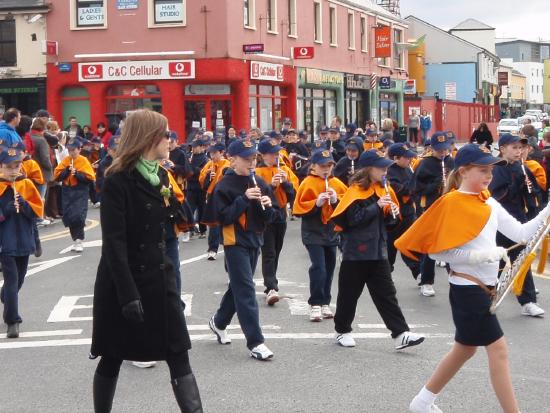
429	180
197	163
402	182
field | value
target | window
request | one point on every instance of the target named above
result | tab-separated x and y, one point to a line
397	52
169	12
249	12
364	34
267	105
292	25
333	34
318	22
90	13
272	16
351	30
8	55
128	97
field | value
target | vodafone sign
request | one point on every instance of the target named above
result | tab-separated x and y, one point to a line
139	70
307	52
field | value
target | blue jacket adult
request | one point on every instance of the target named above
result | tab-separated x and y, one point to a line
8	134
425	123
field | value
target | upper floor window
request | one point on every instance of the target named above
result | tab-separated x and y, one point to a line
249	13
169	12
8	55
292	24
318	22
272	16
351	30
364	34
398	59
90	13
333	28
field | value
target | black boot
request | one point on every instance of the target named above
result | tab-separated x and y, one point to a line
187	394
104	392
38	250
13	330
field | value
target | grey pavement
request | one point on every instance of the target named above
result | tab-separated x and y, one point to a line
49	370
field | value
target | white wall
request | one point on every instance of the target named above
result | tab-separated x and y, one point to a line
481	38
534	82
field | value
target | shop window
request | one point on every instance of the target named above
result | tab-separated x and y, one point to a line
333	27
318	22
315	107
267	105
249	14
8	54
164	13
272	16
127	98
292	23
351	30
397	52
88	14
364	34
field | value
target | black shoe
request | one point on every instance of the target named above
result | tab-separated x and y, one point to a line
38	251
187	394
104	392
13	330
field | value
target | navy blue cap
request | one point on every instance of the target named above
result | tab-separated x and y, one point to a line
275	134
216	146
441	141
472	154
400	149
354	143
508	138
324	129
10	154
334	130
173	136
268	146
243	133
321	157
198	142
113	142
75	144
386	143
351	126
96	139
243	149
302	133
372	158
371	132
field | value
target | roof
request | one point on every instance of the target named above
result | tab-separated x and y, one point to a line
371	6
509	41
471	24
15	5
517	73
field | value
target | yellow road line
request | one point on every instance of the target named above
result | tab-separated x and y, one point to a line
92	223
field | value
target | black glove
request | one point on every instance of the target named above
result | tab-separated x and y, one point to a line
133	311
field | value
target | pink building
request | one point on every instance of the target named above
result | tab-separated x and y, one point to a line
188	60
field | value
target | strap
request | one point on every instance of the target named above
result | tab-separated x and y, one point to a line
490	292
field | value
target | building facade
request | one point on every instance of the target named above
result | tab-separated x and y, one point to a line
22	58
192	62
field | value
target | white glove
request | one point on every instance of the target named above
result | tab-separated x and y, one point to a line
487	256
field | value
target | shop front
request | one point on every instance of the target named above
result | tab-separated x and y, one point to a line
390	100
192	94
27	95
357	107
320	97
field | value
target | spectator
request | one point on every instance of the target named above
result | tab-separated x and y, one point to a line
482	135
8	135
41	153
87	132
413	125
23	130
74	128
104	134
387	129
425	124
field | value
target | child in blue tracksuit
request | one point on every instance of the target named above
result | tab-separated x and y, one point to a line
244	206
20	205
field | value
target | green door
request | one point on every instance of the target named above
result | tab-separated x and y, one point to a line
76	103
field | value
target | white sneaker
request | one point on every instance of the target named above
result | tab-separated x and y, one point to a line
261	352
211	256
418	406
427	290
345	340
221	335
272	297
532	310
78	247
407	339
315	314
73	247
97	205
326	312
186	236
144	364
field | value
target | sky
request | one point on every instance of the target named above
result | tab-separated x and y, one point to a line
525	19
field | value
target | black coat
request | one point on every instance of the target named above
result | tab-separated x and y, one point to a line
134	265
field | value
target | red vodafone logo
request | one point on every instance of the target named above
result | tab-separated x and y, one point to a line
255	68
91	71
179	69
306	52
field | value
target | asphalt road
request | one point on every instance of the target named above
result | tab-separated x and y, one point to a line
48	370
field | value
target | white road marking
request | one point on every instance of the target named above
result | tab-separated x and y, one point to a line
205	327
87	244
197	258
65	306
384	326
52	333
45	265
297	306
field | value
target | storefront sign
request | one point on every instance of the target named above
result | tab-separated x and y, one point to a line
503	78
320	77
169	12
65	67
266	71
384	82
382	41
127	4
18	90
253	48
303	52
138	70
357	82
450	90
409	87
90	16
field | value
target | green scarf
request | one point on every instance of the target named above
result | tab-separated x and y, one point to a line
149	170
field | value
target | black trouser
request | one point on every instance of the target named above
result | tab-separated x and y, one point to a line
528	294
77	232
413	135
404	225
376	275
274	236
427	270
196	200
178	363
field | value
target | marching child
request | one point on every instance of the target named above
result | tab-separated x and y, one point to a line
20	205
315	201
469	246
244	206
372	141
347	166
366	208
284	184
76	173
209	177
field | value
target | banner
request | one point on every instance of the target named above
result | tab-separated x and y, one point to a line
382	41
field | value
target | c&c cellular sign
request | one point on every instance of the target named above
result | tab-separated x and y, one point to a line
266	71
139	70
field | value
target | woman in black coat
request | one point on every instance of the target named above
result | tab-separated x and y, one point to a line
138	313
482	135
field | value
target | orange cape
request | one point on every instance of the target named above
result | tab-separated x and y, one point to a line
81	164
372	145
219	168
32	171
309	190
453	220
538	171
356	193
26	189
267	173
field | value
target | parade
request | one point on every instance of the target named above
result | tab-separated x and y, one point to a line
193	231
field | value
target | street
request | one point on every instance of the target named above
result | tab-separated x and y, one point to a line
47	369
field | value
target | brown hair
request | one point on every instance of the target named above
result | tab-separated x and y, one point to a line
362	177
529	130
546	136
38	124
142	130
52	126
454	180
